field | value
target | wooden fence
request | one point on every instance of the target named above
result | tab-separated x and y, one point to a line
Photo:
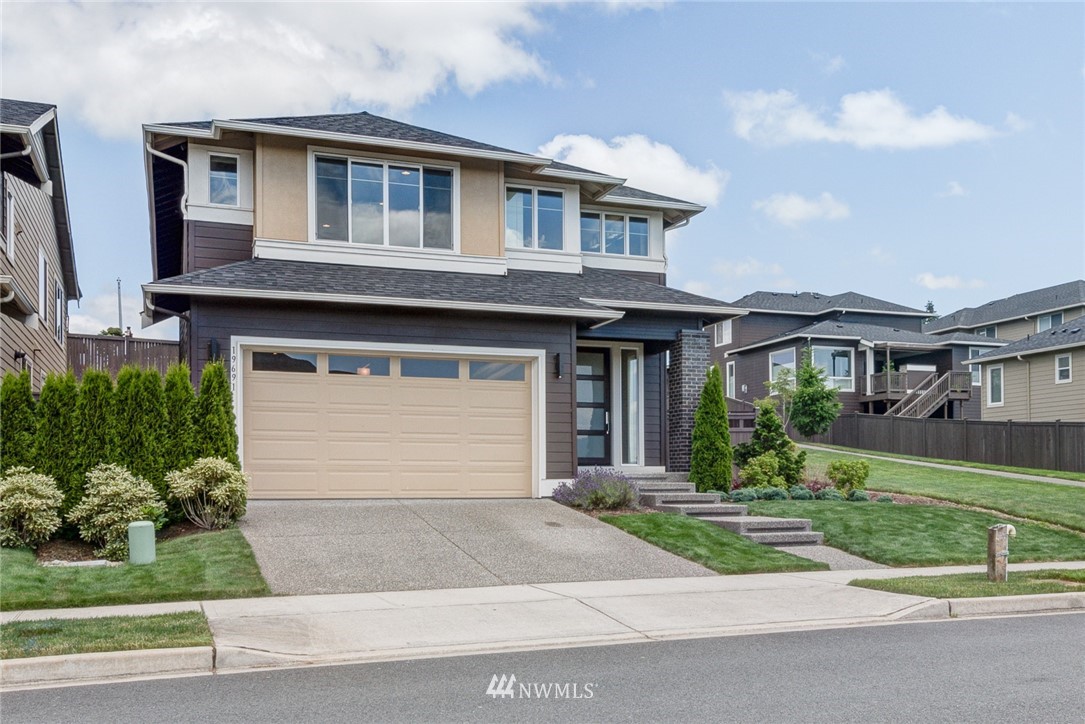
101	352
1043	445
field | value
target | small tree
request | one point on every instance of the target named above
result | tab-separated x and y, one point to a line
94	422
214	424
710	458
112	332
769	436
56	450
814	406
17	422
126	435
782	392
139	417
180	401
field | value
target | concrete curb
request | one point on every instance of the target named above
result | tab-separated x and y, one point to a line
84	668
1001	605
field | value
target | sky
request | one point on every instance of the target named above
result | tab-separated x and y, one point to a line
912	152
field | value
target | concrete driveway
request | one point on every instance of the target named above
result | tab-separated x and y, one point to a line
359	546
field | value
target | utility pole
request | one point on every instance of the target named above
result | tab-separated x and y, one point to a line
120	315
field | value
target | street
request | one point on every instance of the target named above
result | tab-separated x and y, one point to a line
1007	669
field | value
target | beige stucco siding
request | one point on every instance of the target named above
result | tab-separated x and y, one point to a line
1032	394
482	208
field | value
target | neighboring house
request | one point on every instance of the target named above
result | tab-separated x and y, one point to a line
1041	377
407	313
872	351
37	262
1018	316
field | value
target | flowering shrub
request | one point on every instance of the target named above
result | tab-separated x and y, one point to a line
211	491
29	505
113	498
597	489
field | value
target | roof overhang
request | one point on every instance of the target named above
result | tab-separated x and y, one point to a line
863	342
1030	315
842	310
15	302
720	311
1077	344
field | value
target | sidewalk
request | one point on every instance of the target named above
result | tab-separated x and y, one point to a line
341	628
957	468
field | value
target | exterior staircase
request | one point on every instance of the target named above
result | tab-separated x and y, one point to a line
932	393
671	493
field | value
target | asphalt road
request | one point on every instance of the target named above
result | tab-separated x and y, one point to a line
991	670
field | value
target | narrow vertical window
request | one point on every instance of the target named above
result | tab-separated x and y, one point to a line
58	313
223	180
518	217
615	234
404	206
994	386
638	236
591	232
731	380
437	205
332	199
367	203
551	220
43	285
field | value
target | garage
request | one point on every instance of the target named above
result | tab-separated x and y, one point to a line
371	423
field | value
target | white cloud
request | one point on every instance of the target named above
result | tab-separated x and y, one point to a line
647	164
98	312
953	188
949	281
1016	123
868	119
794	209
117	66
733	278
829	65
704	289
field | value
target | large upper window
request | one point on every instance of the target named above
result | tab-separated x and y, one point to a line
613	234
721	333
222	180
785	358
994	386
836	363
534	218
383	204
1048	321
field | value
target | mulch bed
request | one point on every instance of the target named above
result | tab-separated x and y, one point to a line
77	550
915	500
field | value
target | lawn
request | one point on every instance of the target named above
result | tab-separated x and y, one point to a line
974	585
1049	502
922	535
191	568
707	544
55	637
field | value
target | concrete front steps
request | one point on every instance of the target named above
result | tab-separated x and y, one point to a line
671	495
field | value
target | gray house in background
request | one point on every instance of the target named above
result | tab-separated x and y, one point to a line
1018	316
406	312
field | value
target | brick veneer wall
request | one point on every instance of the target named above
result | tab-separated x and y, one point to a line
690	357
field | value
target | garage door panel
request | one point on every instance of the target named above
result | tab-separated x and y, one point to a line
370	452
276	393
358	423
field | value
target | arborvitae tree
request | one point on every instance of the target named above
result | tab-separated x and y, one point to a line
56	449
710	460
17	422
94	428
216	433
125	433
814	406
768	434
179	449
152	421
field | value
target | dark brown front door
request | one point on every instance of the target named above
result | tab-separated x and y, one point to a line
593	406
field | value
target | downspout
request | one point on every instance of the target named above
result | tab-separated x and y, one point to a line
179	162
27	150
7	297
1028	387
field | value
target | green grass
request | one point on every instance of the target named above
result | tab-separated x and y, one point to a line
707	544
922	535
1049	502
974	585
1060	474
195	567
55	637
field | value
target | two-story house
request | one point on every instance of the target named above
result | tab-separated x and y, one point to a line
1018	316
407	313
872	351
37	261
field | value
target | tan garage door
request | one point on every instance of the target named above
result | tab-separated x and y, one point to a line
369	425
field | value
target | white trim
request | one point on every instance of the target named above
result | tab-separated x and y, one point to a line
544	260
198	204
1051	322
655	232
538	395
616	426
664	306
976	372
43	284
1074	344
895	345
730	379
654	203
1069	368
716	330
851	366
8	231
794	366
841	309
581	176
624	263
386	257
1001	386
158	288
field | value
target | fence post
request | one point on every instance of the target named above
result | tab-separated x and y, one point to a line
1058	446
1009	443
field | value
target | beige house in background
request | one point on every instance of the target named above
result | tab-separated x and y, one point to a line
37	261
1039	378
1018	316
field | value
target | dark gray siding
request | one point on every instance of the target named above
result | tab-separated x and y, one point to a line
910	324
209	244
636	326
654	409
971	409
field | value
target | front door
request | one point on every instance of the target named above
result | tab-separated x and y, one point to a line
593	406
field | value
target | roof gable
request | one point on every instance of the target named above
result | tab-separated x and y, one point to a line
1037	301
812	303
1068	335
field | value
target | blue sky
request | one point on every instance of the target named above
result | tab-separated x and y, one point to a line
908	151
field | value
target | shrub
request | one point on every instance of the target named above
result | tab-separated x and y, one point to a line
29	507
17	423
214	427
849	475
762	471
814	406
828	494
113	498
93	425
597	489
768	435
743	495
180	400
56	448
885	499
800	492
140	416
773	494
212	492
710	456
858	496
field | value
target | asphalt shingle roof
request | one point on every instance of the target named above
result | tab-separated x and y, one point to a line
877	334
1019	305
517	288
628	192
1071	333
816	303
22	113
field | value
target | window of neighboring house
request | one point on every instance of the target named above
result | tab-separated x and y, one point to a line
534	218
618	234
974	352
7	223
836	362
43	285
58	312
785	358
994	386
731	379
222	182
987	331
1063	372
1048	321
382	203
721	332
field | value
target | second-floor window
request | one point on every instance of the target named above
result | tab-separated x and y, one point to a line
1048	321
383	203
602	233
987	331
784	359
534	218
222	180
